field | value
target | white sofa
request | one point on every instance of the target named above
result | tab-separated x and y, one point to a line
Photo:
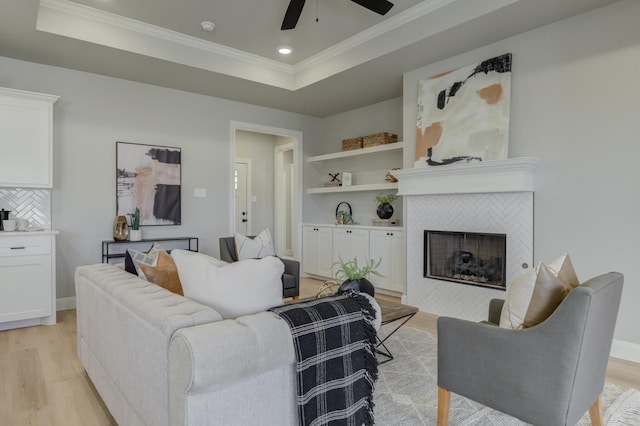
157	358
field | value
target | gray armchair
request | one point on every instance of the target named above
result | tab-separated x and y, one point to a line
290	278
546	375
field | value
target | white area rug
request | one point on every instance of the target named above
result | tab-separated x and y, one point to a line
406	391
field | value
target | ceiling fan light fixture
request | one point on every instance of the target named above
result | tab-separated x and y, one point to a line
285	50
207	26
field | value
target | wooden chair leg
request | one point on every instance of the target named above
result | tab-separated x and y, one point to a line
444	397
596	413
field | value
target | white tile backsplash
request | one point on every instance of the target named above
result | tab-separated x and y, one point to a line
31	204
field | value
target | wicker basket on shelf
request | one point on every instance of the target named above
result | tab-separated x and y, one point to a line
352	143
379	139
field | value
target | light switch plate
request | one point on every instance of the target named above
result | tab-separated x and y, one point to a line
200	192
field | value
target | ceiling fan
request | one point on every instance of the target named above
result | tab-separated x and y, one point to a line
295	9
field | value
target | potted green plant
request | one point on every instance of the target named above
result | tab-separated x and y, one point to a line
385	210
135	234
355	276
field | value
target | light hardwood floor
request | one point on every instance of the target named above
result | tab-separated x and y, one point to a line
42	382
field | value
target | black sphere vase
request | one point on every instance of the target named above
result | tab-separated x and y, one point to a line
384	211
361	285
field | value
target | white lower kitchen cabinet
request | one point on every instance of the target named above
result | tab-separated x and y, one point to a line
388	246
27	279
351	243
317	249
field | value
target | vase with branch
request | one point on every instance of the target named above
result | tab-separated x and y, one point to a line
355	276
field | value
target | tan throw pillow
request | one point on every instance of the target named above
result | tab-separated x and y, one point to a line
531	298
164	273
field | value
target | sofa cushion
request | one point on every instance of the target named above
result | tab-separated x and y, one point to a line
254	248
234	289
531	298
164	273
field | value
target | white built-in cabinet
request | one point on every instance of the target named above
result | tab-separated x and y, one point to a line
324	245
317	244
350	243
26	132
388	245
27	279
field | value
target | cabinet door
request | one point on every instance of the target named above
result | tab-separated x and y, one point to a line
325	250
389	247
309	250
349	244
317	250
25	287
26	126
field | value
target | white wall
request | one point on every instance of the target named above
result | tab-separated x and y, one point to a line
381	117
94	112
575	104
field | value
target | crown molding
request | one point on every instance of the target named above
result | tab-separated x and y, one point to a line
70	19
378	30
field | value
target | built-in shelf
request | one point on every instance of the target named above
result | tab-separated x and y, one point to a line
354	188
356	152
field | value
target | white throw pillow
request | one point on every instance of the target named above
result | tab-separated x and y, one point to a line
563	269
254	248
233	289
531	298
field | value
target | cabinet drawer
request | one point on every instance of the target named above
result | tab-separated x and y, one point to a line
25	246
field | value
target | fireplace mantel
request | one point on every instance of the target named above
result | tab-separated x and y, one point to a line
511	175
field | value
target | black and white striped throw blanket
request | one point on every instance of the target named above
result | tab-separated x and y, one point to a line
334	339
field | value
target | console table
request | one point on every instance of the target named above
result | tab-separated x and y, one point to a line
112	249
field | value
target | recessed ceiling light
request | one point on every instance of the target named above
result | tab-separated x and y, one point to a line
285	50
207	26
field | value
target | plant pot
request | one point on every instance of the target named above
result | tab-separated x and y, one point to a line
135	234
361	285
384	211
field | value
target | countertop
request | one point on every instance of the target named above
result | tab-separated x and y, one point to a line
357	226
28	233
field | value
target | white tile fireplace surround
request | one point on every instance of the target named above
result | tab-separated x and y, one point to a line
487	197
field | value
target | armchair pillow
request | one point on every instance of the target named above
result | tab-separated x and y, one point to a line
234	289
254	248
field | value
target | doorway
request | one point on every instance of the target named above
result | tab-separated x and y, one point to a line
242	190
273	201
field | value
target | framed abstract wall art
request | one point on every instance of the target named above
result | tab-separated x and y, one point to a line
463	114
149	177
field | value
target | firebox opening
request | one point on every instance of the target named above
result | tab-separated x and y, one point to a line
466	257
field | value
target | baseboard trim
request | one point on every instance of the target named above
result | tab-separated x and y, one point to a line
625	350
65	303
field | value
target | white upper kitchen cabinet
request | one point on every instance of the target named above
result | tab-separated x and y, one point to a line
26	133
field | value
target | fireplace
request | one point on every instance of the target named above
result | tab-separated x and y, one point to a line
466	257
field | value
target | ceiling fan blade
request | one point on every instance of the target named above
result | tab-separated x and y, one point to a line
379	6
292	15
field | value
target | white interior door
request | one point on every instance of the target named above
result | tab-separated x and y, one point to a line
242	183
